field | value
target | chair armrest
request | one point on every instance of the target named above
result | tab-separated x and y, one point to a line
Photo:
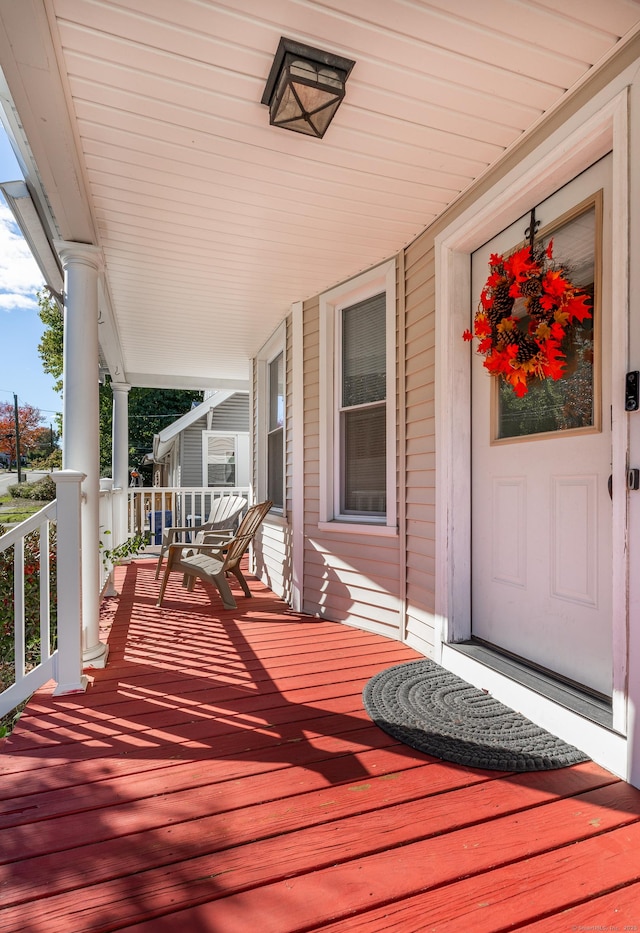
211	549
170	534
217	537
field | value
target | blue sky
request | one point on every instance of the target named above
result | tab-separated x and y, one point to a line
20	327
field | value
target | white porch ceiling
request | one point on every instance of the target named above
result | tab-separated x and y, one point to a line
147	137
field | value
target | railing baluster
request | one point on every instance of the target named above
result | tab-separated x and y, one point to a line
65	662
45	593
19	613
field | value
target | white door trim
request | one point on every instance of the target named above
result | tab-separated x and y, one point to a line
587	136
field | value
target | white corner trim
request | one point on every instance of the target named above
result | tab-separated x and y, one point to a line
297	453
275	345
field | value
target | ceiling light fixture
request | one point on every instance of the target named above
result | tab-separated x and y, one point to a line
305	87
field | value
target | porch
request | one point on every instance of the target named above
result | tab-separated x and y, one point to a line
220	774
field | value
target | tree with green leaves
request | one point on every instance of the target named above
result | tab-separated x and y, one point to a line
51	344
150	411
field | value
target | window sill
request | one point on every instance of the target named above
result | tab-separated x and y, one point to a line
343	526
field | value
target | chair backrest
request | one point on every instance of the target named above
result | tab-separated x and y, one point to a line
247	528
224	511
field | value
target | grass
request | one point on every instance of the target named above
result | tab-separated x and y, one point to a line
13	511
14	516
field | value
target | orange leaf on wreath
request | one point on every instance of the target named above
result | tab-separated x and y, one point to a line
520	265
518	380
500	360
543	331
578	308
555	362
554	285
482	327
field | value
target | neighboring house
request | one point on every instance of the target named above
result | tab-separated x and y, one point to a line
208	446
333	279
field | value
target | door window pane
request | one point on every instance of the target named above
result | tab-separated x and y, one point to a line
569	402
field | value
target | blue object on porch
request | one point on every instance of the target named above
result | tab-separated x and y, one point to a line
191	521
155	525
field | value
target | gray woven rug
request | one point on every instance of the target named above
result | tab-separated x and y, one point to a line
434	711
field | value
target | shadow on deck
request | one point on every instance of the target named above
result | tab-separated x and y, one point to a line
221	776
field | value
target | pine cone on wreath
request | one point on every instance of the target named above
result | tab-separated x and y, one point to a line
502	300
508	337
527	349
534	308
531	287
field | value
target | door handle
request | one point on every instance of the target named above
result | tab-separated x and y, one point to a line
610	485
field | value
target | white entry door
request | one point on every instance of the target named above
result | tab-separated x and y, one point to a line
541	506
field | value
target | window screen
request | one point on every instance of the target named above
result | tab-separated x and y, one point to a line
363	409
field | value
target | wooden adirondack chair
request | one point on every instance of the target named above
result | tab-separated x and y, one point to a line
222	517
215	556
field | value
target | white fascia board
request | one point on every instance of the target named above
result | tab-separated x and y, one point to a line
27	217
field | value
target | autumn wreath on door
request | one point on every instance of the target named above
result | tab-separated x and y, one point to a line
527	308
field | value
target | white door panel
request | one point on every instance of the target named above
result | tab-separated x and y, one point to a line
541	517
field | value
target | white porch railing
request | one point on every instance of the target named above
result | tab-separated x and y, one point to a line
47	636
152	509
47	629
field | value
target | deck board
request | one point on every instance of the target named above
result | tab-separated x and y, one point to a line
221	775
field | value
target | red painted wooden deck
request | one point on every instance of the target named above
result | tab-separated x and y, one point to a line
221	776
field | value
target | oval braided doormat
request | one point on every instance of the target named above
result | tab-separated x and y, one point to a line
435	711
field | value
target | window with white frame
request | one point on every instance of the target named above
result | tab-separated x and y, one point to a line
225	459
271	420
220	456
357	401
275	432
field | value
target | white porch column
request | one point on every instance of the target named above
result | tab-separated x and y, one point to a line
69	583
81	427
120	457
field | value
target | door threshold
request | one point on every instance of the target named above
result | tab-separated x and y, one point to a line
595	708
